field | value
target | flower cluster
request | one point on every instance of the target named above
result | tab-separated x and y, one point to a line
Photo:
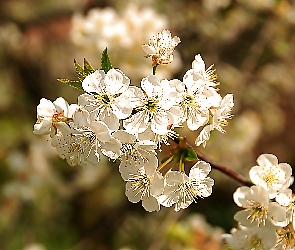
267	218
128	124
122	32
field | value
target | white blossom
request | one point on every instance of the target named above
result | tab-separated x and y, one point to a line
252	238
257	206
133	151
158	139
270	174
107	96
51	116
144	183
161	48
182	190
198	95
287	199
218	119
85	140
152	105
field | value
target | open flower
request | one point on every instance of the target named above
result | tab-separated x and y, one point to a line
161	47
219	115
51	116
271	174
144	183
153	105
258	209
85	140
252	238
133	151
287	199
199	94
182	190
107	96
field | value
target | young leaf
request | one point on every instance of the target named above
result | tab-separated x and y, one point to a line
88	69
105	61
75	84
79	70
190	155
82	72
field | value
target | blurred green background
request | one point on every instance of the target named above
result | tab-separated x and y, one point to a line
47	204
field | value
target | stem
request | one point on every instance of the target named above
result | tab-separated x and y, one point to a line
181	165
165	163
154	69
229	172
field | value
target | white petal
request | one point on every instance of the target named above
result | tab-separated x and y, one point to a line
267	160
61	105
151	86
121	107
72	109
228	101
196	118
42	128
239	196
286	168
258	194
255	175
204	136
157	185
151	165
116	82
109	118
198	64
124	137
150	50
127	171
150	204
242	217
101	131
204	187
159	124
276	212
284	197
175	178
135	95
45	108
200	170
169	196
133	196
111	148
92	82
137	123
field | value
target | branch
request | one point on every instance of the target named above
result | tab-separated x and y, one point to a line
229	172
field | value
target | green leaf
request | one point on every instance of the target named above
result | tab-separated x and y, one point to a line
88	69
75	84
80	71
105	61
190	155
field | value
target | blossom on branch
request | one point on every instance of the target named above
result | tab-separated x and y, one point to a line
271	174
51	116
144	183
161	48
182	190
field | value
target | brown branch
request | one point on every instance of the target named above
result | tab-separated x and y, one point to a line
227	171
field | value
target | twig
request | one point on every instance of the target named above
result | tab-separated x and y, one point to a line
229	172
